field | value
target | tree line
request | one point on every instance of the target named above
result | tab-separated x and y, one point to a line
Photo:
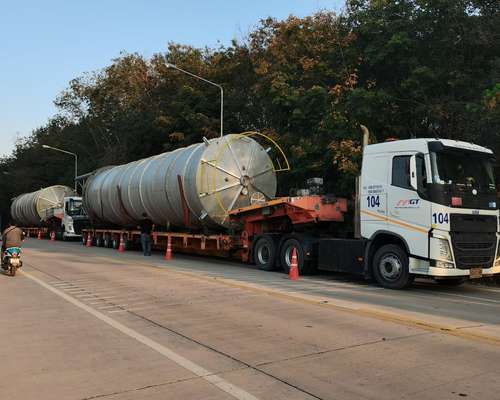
404	68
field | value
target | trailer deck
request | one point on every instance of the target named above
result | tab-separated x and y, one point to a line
277	216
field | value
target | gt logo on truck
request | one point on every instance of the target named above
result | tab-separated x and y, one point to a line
408	203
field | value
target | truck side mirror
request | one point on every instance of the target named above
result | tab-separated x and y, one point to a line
413	172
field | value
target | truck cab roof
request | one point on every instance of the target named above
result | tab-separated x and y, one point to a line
422	146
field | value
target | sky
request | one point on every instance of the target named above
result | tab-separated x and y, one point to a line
45	44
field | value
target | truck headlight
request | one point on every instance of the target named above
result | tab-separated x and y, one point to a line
444	264
444	249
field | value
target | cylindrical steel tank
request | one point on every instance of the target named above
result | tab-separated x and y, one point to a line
190	187
32	209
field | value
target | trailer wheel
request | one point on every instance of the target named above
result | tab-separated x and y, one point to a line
264	253
285	257
391	267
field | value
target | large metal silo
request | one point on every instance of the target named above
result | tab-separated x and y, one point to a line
194	186
32	209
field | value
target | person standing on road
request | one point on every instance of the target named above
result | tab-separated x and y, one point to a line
146	228
12	236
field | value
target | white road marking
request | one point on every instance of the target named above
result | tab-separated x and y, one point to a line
189	365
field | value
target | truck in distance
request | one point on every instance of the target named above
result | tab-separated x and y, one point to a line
54	210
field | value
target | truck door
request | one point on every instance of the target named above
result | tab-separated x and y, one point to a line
408	210
373	199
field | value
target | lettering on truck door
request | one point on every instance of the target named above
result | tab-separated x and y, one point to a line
373	200
408	212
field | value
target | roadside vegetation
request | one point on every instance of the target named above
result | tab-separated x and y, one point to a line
409	68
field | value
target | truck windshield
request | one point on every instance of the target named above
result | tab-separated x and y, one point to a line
75	207
463	170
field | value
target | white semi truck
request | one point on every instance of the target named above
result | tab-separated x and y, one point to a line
68	221
424	207
54	209
429	207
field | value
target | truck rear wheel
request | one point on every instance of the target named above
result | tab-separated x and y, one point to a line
107	241
264	253
285	257
391	267
99	241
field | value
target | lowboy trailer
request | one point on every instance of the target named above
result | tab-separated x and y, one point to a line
259	233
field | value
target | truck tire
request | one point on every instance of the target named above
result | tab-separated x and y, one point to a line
391	267
99	241
285	256
264	253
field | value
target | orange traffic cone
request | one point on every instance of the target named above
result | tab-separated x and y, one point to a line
39	237
52	236
294	266
121	247
168	253
89	240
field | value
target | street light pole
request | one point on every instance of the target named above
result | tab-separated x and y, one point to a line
169	65
66	152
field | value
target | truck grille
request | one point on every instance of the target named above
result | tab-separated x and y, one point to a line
474	240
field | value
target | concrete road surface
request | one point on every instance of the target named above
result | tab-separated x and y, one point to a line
93	323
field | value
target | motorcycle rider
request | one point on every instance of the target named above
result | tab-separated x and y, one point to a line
12	236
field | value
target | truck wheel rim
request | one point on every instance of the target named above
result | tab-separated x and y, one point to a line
390	267
263	254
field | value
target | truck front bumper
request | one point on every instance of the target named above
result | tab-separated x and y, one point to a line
72	235
423	267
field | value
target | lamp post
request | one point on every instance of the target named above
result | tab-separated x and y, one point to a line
66	152
169	65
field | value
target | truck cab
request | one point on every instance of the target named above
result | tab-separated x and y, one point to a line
73	219
428	207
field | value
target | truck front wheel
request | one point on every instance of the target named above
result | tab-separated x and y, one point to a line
264	253
391	267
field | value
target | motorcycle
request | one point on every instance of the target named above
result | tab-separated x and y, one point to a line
11	260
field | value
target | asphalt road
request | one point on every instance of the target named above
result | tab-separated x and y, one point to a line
82	323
